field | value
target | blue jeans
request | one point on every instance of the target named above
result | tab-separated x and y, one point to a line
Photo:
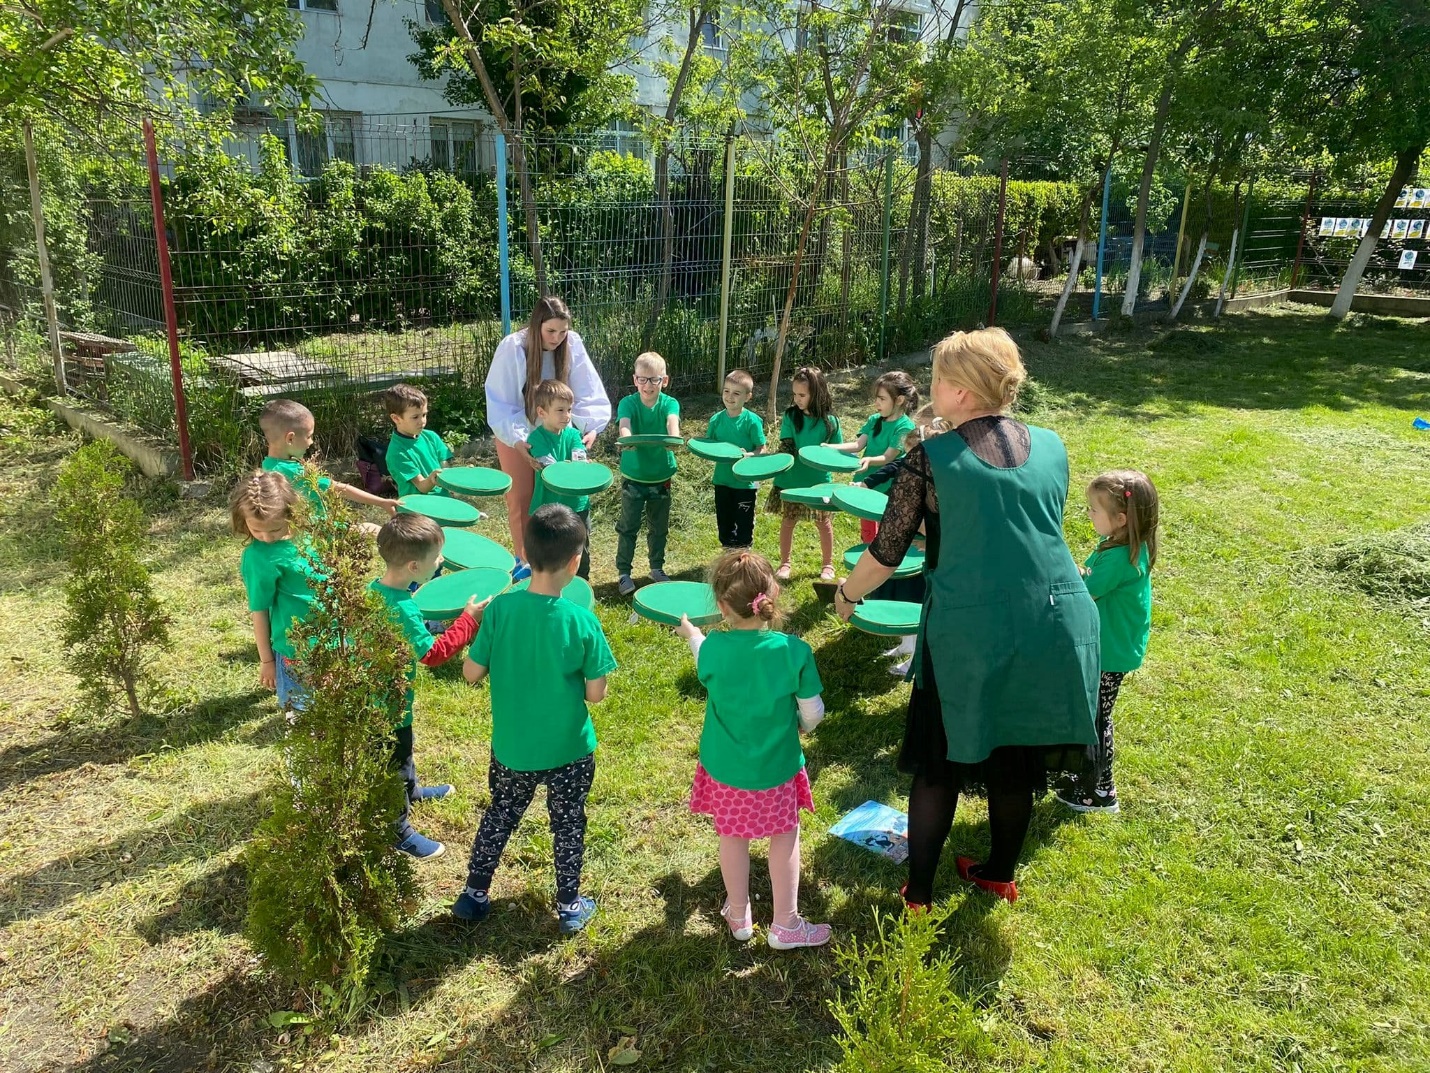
292	696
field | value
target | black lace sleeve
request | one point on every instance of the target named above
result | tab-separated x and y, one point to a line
911	500
877	478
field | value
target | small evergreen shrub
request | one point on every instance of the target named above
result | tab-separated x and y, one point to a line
113	625
900	1010
327	882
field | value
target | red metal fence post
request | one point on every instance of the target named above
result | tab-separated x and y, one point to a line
171	319
1301	238
998	244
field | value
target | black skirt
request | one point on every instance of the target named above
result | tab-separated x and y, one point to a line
1008	767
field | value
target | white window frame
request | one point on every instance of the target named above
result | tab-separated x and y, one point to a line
307	5
712	36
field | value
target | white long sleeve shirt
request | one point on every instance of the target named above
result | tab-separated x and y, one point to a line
506	408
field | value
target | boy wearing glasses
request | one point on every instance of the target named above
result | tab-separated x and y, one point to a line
645	471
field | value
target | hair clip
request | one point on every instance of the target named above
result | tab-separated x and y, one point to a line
761	598
1127	493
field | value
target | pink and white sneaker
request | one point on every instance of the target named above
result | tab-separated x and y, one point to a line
741	927
802	934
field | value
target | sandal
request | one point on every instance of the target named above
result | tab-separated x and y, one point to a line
741	928
827	574
782	574
1007	891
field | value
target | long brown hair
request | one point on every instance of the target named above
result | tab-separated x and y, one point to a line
821	403
548	308
745	582
902	389
1131	492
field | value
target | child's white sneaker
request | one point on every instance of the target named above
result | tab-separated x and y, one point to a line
802	934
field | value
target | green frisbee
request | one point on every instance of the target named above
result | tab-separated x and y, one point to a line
821	456
474	480
666	601
816	497
913	560
887	618
715	450
653	439
762	467
861	502
445	597
577	478
578	592
444	510
472	551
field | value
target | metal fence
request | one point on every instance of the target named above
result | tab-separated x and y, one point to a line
329	283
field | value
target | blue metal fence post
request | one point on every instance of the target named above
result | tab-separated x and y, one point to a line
503	258
1101	242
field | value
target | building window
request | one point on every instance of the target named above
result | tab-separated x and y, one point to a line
436	13
905	27
313	5
454	145
713	36
309	151
620	136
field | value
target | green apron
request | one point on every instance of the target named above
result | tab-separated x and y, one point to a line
1010	629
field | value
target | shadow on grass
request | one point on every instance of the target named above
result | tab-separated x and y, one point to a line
114	743
217	900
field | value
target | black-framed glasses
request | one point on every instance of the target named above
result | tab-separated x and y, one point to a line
649	381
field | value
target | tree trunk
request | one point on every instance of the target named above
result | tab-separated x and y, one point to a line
1191	279
1226	276
1075	265
1405	162
920	220
1144	191
799	249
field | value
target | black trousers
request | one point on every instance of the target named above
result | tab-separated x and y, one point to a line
735	516
404	765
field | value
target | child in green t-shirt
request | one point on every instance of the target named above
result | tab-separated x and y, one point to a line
547	659
1122	506
415	454
278	576
555	439
645	471
411	548
764	691
735	498
808	421
288	429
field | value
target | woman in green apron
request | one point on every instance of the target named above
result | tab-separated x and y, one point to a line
1006	668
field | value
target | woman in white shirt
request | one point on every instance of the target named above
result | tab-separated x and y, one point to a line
546	349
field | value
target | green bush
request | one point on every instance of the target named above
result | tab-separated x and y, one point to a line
113	625
326	879
899	1009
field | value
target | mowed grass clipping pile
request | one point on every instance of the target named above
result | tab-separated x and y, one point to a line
1261	903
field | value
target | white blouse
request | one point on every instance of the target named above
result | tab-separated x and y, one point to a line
506	408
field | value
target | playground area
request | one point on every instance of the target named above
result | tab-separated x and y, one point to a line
1260	903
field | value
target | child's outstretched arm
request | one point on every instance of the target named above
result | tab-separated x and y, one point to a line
672	425
427	483
354	494
458	635
691	632
267	659
852	445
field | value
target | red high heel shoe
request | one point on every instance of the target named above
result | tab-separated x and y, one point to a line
1007	891
912	907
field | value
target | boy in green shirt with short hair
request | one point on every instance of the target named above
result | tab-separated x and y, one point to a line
288	428
735	498
555	439
411	546
548	659
415	454
646	471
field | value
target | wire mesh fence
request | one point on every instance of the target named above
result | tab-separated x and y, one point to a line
1400	262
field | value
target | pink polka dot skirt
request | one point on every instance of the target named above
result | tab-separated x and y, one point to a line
750	813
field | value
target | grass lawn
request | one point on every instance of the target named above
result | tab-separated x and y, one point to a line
1260	904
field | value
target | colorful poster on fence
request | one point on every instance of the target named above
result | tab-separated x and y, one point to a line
1364	227
1417	228
1385	231
1407	258
876	827
1419	197
1343	226
1401	229
1328	226
1404	199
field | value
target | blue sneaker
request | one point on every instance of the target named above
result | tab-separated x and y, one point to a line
521	571
572	918
421	847
474	907
433	793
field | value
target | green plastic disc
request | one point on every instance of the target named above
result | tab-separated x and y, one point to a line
444	510
913	560
654	439
666	601
578	592
577	478
444	597
816	497
471	551
762	467
716	451
474	480
861	502
821	456
887	618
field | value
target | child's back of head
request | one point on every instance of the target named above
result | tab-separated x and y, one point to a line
555	535
282	416
406	538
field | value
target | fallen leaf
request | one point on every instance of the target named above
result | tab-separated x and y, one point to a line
624	1053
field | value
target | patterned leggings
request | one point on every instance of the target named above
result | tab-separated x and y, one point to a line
1107	689
512	791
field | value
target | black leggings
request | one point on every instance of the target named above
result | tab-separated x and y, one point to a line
512	791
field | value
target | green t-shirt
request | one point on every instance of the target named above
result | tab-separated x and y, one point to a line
746	431
279	579
409	620
409	457
540	651
890	435
293	470
648	465
814	432
560	446
1124	604
753	677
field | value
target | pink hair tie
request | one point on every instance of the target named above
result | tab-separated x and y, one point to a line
762	598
